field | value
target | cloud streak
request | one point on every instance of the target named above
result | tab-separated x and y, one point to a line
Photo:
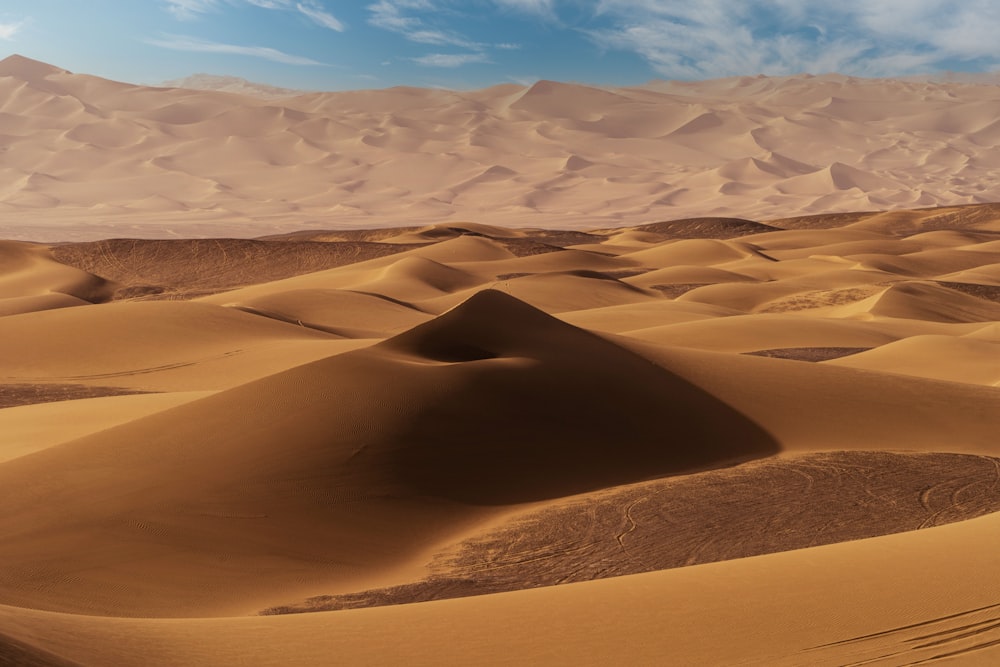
314	10
409	19
270	4
398	16
183	43
451	59
320	16
187	10
713	38
544	8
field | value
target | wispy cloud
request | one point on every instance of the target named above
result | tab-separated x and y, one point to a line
415	21
713	38
8	30
319	15
546	8
271	4
313	9
399	16
189	9
451	59
182	43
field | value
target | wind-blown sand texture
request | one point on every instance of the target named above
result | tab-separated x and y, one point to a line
136	161
711	441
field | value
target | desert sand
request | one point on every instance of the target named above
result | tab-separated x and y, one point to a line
138	161
739	438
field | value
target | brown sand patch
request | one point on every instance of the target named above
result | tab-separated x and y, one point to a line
987	292
809	353
177	269
707	228
12	395
821	221
757	508
821	298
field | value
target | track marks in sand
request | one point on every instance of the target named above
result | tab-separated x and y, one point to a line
761	507
956	636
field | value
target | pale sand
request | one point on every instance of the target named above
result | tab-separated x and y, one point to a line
727	442
136	161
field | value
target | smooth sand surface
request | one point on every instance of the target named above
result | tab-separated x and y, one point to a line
218	158
719	440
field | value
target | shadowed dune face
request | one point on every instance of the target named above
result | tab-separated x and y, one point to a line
493	403
675	522
531	419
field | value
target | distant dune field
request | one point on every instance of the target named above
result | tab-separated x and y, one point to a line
135	161
704	441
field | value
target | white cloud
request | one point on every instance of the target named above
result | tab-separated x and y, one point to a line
182	43
319	16
712	38
451	59
8	30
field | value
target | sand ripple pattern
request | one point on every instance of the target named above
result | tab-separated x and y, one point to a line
752	509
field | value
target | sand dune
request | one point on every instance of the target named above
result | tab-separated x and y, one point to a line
944	357
482	361
228	158
32	279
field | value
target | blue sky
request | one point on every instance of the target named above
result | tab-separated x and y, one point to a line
345	44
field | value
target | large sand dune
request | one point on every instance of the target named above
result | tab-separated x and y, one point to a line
146	162
706	441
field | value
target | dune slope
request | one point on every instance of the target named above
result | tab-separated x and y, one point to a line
588	438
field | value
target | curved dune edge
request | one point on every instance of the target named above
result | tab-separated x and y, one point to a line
810	500
829	605
546	406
